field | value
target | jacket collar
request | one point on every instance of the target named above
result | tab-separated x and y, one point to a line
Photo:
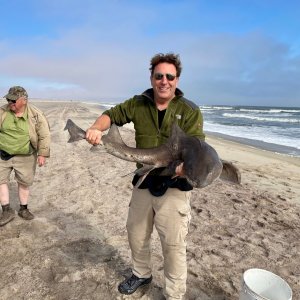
5	107
150	94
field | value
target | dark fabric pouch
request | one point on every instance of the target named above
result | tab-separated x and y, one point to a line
181	184
158	185
5	156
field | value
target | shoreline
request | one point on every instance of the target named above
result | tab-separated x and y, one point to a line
272	147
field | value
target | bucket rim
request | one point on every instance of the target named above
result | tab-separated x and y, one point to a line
245	286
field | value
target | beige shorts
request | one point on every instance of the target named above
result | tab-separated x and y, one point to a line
24	167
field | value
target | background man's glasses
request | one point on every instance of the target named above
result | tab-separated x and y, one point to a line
12	101
160	76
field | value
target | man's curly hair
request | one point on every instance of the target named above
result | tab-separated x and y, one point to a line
169	58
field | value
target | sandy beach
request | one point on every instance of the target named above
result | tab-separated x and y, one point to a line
76	247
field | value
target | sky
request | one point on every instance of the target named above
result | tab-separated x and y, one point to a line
233	52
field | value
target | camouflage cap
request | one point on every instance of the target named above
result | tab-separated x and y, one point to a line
15	93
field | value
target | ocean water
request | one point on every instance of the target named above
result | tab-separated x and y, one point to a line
275	129
272	128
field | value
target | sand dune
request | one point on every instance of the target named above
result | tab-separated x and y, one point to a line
76	247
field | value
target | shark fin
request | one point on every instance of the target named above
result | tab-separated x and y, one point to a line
230	172
131	173
143	172
113	136
145	169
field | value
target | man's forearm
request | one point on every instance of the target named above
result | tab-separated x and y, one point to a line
102	123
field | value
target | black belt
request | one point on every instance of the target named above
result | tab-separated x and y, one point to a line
5	156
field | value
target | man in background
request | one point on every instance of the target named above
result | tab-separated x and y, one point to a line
24	142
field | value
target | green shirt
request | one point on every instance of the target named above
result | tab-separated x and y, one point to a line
14	134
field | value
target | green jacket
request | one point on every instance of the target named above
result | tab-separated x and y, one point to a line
141	110
39	132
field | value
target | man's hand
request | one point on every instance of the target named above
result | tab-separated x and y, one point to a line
93	136
41	160
179	170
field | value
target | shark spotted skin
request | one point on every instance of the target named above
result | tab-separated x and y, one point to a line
201	163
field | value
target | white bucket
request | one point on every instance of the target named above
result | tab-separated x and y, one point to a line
260	284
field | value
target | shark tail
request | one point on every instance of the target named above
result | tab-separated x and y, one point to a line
76	133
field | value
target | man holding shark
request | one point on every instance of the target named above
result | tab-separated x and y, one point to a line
160	201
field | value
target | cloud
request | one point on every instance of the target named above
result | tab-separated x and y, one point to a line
97	57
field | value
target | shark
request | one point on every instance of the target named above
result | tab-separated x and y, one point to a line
200	161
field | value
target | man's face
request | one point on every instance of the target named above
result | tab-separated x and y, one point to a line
18	106
164	86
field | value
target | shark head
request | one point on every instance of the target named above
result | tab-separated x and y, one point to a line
201	163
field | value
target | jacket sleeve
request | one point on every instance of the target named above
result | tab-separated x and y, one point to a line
43	133
121	113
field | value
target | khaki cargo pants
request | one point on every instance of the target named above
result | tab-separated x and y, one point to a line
170	214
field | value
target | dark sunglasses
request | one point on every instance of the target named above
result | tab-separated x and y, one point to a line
12	101
160	76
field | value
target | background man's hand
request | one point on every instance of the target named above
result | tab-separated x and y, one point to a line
41	160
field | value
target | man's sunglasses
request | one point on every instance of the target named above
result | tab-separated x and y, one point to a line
12	101
160	76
